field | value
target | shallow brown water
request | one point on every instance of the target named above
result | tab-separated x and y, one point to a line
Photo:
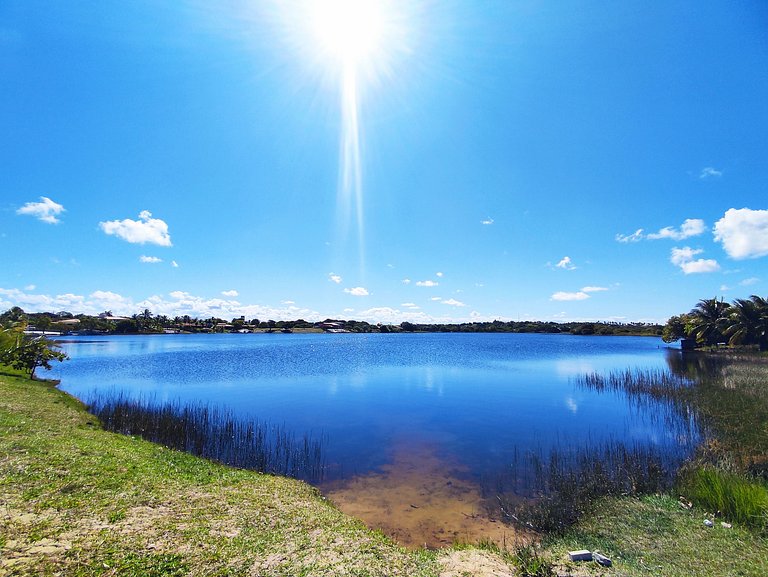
420	500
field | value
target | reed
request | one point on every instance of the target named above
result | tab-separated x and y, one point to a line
550	492
215	434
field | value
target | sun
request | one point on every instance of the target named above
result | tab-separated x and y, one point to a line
350	31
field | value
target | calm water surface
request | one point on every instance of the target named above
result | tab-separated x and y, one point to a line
474	396
471	400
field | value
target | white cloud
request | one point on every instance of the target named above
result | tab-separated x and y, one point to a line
439	274
454	303
749	281
566	296
334	278
406	281
30	287
413	306
145	230
174	264
45	211
487	221
436	298
594	289
684	258
634	237
288	302
150	259
427	283
690	227
357	291
709	172
566	263
743	233
230	293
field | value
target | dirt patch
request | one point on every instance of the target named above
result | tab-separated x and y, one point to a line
473	562
420	500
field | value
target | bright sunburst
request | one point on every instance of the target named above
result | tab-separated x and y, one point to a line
354	44
350	30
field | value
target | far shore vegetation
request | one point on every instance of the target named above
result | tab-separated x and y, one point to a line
145	322
79	500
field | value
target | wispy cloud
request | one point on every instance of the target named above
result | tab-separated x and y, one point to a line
709	172
46	210
357	291
145	230
569	296
743	233
487	221
406	281
636	236
150	259
690	227
453	303
685	259
439	274
580	295
412	306
427	283
749	281
174	264
566	263
334	278
230	293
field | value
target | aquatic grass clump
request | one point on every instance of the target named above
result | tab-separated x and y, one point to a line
558	489
734	496
213	433
658	383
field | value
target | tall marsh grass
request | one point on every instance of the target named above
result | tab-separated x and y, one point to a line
734	496
549	493
215	434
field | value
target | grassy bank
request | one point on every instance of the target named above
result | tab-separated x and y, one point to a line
77	500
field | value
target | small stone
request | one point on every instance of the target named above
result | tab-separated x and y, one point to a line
725	525
581	555
601	559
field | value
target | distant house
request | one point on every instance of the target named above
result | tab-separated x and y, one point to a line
332	327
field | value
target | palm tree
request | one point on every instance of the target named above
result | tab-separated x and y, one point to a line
707	319
747	322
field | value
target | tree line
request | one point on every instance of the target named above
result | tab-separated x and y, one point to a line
147	323
743	322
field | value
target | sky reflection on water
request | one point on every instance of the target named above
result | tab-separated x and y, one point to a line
475	397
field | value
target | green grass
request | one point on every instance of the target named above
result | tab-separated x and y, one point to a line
733	496
656	535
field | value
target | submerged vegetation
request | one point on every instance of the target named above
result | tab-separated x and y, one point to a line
720	407
556	490
215	434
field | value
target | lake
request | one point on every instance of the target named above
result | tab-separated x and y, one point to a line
412	423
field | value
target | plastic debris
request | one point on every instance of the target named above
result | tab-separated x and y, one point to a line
601	559
708	523
582	555
725	525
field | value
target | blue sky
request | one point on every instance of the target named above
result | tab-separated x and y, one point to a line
503	160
